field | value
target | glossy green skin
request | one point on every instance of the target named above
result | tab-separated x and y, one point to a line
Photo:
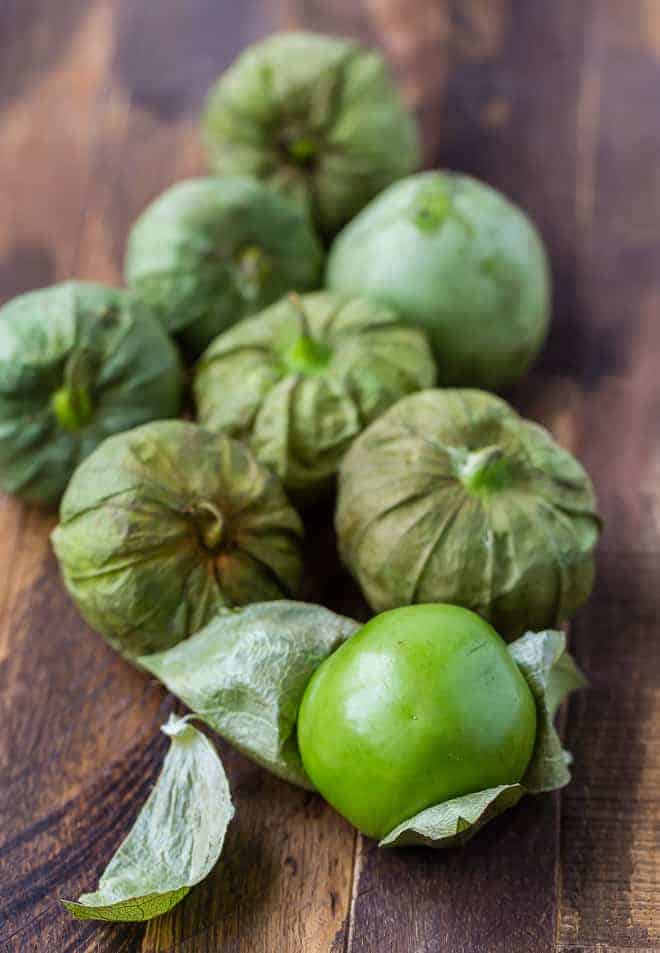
208	252
78	363
422	705
456	257
316	117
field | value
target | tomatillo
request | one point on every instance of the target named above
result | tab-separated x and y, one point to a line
422	705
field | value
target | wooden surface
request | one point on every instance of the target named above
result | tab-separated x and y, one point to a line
558	103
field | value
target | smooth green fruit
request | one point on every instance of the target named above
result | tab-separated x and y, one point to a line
456	257
422	705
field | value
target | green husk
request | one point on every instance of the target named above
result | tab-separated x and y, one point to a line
245	674
451	496
208	252
176	839
164	525
299	382
318	118
78	362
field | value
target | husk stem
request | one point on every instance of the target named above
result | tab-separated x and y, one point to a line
484	470
305	355
72	403
212	530
253	269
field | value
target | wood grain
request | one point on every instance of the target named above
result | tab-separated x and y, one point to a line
553	101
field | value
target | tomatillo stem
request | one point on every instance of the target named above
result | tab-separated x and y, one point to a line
484	470
305	355
254	267
72	403
73	408
213	531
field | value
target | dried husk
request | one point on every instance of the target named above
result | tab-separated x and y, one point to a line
78	362
176	839
245	674
301	380
451	496
318	118
166	524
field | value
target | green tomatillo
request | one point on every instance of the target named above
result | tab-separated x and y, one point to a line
78	363
423	705
458	258
316	117
302	379
208	252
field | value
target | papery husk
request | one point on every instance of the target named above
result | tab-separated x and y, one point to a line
175	841
302	379
245	674
318	118
79	342
164	525
208	252
418	521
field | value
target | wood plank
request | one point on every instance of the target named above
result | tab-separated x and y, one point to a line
74	768
289	862
556	103
611	816
499	893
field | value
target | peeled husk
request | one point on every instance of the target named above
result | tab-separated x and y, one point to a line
246	672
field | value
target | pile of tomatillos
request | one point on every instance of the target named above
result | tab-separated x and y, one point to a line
337	321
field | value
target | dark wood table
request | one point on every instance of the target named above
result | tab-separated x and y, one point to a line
557	102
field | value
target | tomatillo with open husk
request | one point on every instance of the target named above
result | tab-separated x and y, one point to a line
423	705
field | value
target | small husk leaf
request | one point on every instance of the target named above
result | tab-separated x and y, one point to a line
551	674
245	673
176	839
454	822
